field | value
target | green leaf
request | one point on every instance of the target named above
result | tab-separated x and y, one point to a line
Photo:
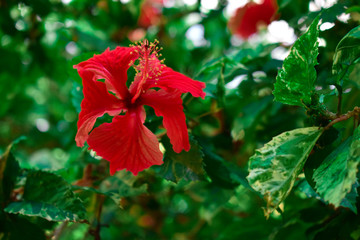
274	168
18	228
350	199
353	9
211	70
184	165
123	184
337	174
9	170
49	196
249	116
215	197
295	81
223	173
346	53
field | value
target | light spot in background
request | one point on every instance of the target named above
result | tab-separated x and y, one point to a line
322	42
258	75
51	25
36	94
317	5
20	25
233	5
332	87
182	206
301	20
236	41
169	3
193	18
93	154
207	5
152	30
70	23
280	31
280	53
124	1
236	81
136	34
47	159
266	91
196	35
14	13
190	2
66	2
172	31
71	48
5	40
42	124
326	26
49	38
347	90
179	204
24	10
59	154
344	17
162	148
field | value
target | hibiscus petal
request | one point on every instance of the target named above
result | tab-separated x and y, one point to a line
152	73
126	143
97	101
247	19
170	79
169	106
111	65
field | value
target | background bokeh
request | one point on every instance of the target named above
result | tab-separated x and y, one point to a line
201	195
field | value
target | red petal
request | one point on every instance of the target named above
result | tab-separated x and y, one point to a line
97	101
126	143
111	66
247	19
150	13
169	106
170	80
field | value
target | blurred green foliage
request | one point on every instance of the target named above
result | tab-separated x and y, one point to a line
51	189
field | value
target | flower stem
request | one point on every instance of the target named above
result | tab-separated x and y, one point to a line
339	89
220	86
354	113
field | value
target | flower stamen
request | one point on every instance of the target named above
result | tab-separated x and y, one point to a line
147	65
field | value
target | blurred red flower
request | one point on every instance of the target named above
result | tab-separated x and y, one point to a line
150	13
248	18
125	142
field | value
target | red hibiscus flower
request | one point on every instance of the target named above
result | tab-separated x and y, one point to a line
125	142
247	19
150	13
